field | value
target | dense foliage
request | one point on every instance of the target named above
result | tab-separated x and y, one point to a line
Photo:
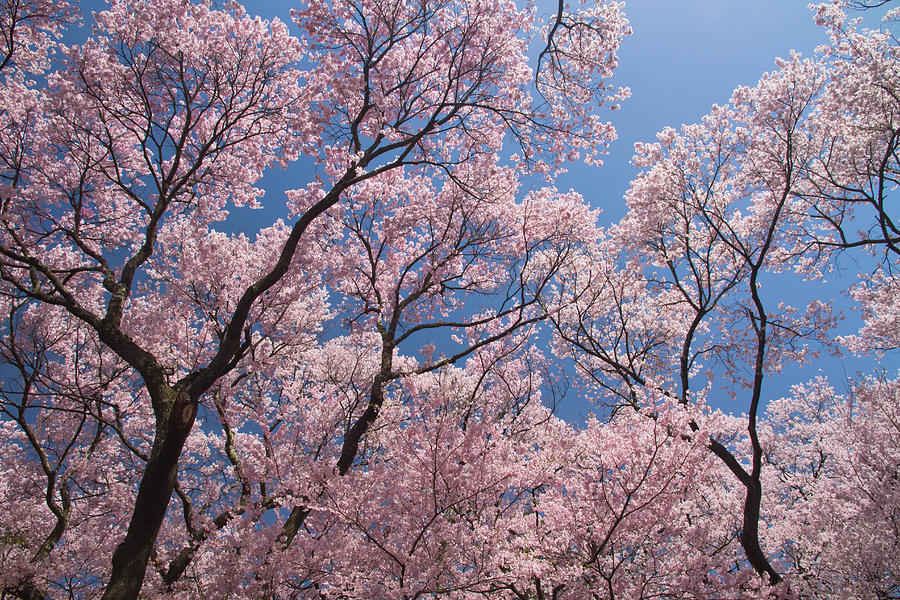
355	401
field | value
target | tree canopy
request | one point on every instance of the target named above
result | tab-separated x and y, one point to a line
357	400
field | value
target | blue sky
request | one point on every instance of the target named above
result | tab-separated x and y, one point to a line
684	56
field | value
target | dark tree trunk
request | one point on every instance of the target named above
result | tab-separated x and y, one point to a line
157	484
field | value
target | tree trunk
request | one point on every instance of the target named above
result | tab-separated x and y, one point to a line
157	484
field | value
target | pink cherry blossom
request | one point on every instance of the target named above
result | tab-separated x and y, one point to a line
355	399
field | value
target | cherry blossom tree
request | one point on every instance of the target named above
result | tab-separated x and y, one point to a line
117	168
355	400
774	182
833	475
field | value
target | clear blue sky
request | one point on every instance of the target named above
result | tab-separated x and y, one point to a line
684	56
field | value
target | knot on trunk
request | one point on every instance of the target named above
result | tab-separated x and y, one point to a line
183	412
